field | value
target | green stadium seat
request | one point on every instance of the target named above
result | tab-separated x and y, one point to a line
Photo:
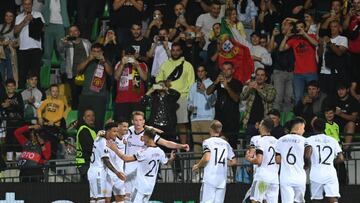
108	115
71	118
95	30
54	60
286	116
45	77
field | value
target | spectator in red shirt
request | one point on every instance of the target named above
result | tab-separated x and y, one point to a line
304	48
351	23
130	75
36	152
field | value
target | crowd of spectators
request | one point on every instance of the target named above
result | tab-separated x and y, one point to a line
172	57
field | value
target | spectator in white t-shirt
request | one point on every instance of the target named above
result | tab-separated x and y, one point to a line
332	51
205	22
160	50
29	55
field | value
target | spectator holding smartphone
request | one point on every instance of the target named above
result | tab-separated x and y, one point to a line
96	70
130	76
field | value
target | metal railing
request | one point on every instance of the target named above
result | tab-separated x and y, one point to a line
65	170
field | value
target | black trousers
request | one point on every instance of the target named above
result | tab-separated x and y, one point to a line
75	92
87	11
124	110
28	61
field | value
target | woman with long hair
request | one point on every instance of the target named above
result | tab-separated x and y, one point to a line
8	45
236	27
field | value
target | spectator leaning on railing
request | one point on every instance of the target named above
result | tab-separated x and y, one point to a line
36	151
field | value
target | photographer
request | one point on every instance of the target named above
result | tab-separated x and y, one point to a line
332	52
36	151
94	94
192	42
304	48
179	24
162	101
155	25
160	50
75	50
130	76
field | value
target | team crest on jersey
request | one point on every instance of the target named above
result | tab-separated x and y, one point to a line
106	151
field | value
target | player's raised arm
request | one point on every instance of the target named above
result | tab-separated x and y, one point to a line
172	145
108	164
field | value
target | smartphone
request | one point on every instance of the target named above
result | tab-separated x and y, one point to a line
71	38
130	60
277	26
157	87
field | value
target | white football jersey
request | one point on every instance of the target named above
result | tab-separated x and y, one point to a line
324	150
149	161
253	142
268	169
291	148
215	171
99	151
116	161
133	144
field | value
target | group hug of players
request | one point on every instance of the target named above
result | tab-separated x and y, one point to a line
125	162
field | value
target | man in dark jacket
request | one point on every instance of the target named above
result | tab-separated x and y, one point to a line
84	142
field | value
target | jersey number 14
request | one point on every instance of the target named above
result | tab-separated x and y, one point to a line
221	159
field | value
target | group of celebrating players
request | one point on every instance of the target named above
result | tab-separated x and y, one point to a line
125	162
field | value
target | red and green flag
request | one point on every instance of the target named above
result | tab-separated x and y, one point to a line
232	51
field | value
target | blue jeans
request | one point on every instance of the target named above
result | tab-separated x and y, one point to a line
6	66
300	81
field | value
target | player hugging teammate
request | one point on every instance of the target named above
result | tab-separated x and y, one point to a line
116	155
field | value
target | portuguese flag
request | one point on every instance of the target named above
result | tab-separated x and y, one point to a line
231	50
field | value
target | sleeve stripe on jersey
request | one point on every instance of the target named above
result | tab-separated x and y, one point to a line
259	151
206	150
135	157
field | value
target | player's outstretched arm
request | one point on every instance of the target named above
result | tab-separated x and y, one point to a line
203	161
173	145
112	168
125	158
